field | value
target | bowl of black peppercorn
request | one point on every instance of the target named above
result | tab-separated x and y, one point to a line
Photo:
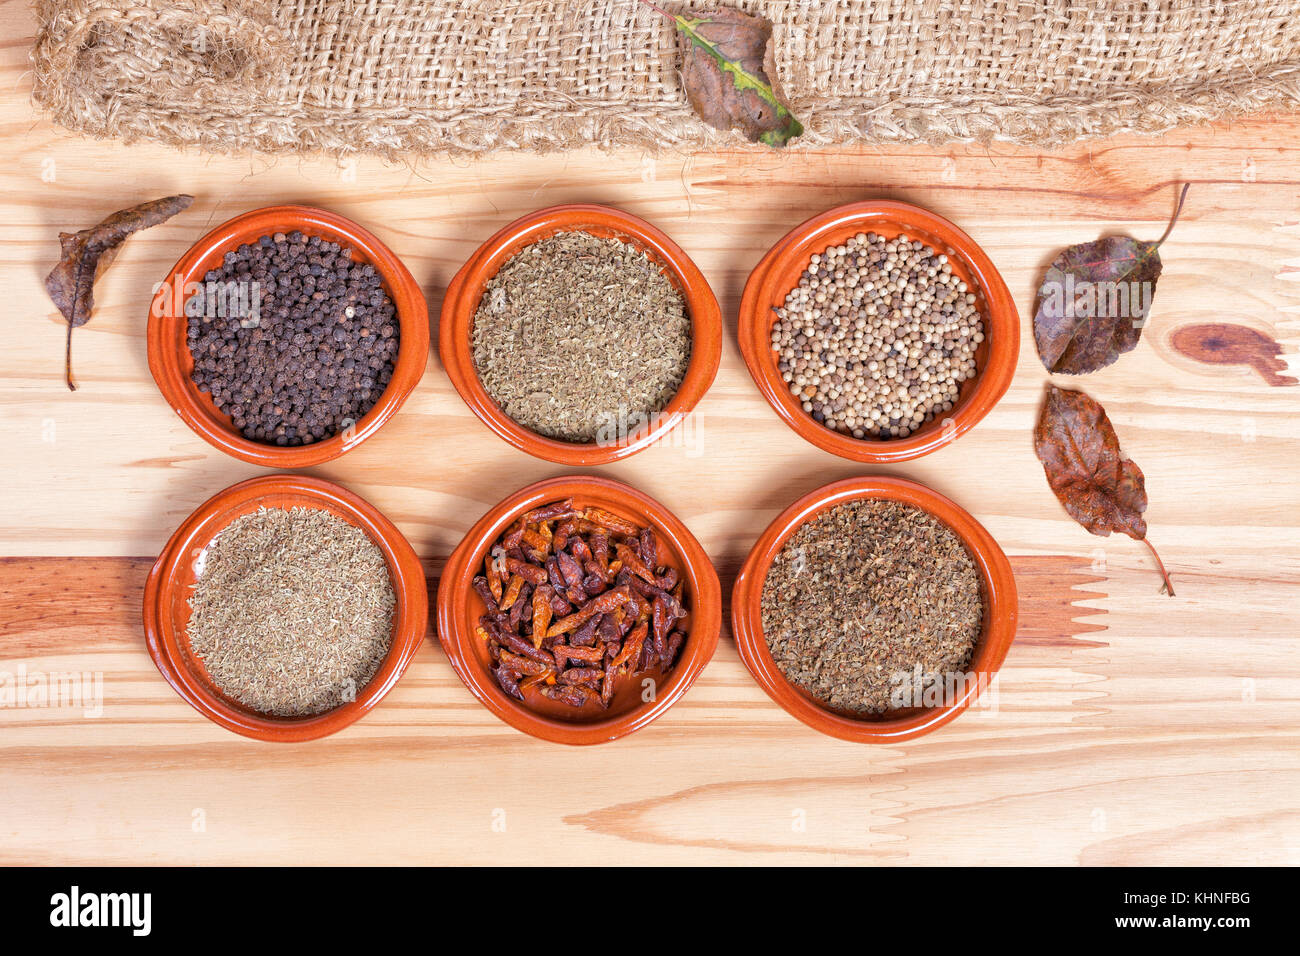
287	336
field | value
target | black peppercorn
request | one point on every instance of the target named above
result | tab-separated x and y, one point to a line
301	336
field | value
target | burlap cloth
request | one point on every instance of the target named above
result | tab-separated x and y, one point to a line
461	76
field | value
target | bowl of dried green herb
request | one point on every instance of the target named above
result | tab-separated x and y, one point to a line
580	334
578	610
285	608
287	336
879	331
875	610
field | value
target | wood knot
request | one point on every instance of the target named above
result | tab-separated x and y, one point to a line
1221	343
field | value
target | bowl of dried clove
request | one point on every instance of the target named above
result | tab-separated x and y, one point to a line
285	608
879	331
875	610
580	334
579	609
287	336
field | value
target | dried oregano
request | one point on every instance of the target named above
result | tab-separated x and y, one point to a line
862	595
575	333
292	611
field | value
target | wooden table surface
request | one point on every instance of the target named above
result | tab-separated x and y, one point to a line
1128	728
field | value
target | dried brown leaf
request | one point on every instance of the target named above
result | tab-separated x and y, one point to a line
1095	299
86	254
729	73
1099	487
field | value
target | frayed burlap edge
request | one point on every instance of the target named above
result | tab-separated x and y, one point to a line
227	105
231	47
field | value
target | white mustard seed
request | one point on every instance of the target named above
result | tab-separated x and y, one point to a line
877	336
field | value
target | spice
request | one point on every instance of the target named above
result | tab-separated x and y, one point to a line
292	611
575	598
294	340
576	332
878	336
865	597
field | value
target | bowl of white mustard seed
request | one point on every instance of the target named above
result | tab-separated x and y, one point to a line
285	608
879	331
580	334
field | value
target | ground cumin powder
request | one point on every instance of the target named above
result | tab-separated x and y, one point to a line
292	611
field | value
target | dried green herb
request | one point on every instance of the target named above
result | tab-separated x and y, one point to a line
867	594
1099	487
581	338
729	73
292	611
86	254
1094	300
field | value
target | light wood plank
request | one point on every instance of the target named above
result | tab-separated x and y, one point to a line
1150	730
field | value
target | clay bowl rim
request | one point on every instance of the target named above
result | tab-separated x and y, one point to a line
465	292
170	362
410	616
1001	609
454	602
777	272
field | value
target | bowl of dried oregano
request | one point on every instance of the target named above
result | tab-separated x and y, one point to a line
580	334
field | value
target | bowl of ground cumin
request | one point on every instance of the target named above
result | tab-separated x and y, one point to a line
285	608
580	334
287	336
879	331
875	610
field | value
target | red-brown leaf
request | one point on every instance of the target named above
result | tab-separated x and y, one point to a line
1099	487
1095	299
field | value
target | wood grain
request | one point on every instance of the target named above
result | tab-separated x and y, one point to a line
80	615
1130	728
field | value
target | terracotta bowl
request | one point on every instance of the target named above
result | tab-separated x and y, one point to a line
1000	611
168	588
466	292
171	363
778	273
459	609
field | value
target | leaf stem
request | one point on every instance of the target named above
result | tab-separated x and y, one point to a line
67	362
1174	221
1168	586
652	6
